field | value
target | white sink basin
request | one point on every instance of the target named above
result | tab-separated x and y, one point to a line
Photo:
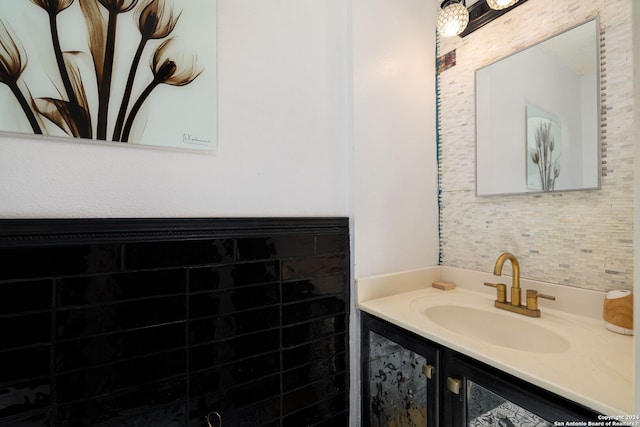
498	328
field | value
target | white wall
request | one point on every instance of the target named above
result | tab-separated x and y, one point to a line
283	134
395	170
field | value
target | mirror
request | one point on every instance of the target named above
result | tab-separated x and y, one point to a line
538	117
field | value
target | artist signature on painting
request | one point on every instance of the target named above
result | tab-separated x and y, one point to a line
188	138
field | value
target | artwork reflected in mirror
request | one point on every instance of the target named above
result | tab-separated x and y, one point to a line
544	139
538	117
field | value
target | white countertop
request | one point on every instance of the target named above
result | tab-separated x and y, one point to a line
596	371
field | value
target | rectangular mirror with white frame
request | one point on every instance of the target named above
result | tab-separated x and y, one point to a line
538	117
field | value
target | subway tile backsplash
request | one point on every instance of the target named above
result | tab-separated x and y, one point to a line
127	323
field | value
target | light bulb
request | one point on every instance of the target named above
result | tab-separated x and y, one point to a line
501	4
453	19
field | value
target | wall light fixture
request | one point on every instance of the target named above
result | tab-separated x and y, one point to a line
456	19
453	18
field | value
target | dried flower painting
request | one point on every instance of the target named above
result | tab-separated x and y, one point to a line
128	71
543	149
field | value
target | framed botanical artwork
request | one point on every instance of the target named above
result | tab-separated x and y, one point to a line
138	72
543	149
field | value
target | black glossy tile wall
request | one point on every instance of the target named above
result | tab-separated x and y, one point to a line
116	327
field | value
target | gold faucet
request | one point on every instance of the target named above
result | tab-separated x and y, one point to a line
516	292
531	308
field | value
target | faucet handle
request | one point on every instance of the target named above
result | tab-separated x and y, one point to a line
532	298
501	289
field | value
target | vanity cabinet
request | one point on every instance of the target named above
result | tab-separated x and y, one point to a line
404	374
400	377
480	395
